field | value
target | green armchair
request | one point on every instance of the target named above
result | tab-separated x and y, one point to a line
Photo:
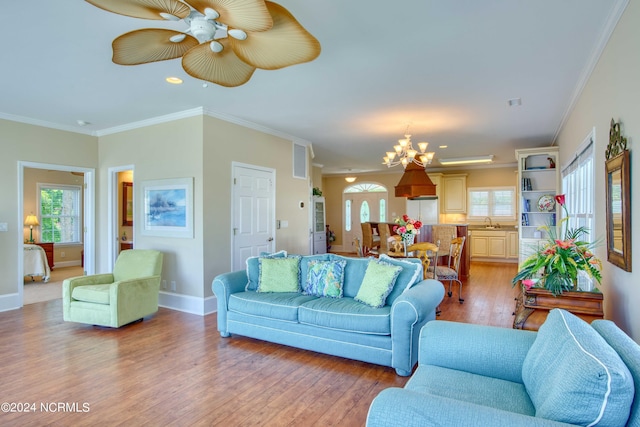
126	295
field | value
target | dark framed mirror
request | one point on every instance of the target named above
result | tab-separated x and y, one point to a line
619	211
127	203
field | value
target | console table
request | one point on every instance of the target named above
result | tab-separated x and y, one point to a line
48	249
533	305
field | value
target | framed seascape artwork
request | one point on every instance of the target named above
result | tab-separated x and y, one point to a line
168	208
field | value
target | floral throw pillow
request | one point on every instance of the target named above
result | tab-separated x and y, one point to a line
325	278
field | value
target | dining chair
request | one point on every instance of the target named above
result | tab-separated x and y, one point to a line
450	272
427	253
442	235
385	233
370	243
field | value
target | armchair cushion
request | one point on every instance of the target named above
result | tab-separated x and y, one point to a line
572	375
98	294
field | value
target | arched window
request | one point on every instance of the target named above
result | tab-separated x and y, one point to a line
364	188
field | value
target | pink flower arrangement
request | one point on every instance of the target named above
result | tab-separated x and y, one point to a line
555	266
407	227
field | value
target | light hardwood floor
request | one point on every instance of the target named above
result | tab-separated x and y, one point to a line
174	369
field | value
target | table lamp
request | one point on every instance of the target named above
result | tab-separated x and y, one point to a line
31	220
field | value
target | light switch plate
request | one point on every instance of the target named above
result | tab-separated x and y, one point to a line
4	226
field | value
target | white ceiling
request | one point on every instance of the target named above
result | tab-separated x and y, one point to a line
446	67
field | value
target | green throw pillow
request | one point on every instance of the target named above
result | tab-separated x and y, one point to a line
377	283
279	274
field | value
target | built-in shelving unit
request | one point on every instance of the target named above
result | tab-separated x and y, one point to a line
539	183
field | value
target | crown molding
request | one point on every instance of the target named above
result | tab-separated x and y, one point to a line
605	35
43	123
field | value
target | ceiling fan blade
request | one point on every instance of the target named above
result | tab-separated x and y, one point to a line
223	68
149	45
145	9
248	15
287	43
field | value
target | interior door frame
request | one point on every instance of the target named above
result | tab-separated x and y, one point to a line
89	216
112	209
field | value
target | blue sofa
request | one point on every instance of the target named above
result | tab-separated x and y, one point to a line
340	326
568	373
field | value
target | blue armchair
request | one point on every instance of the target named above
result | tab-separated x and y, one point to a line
568	373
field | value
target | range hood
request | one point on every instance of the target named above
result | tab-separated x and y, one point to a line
415	184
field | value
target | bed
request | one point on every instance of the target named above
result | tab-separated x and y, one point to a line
35	262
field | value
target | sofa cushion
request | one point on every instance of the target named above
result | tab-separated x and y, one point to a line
253	268
572	375
279	274
345	314
410	275
97	294
325	278
277	305
377	283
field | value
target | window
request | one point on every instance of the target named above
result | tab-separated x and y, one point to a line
578	187
364	212
383	210
59	213
347	215
495	202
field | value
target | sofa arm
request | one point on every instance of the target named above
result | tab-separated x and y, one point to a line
223	286
409	312
401	407
483	350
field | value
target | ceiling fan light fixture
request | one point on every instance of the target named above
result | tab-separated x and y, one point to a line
216	47
210	13
237	34
177	38
203	29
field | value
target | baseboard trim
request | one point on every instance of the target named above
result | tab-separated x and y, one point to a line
60	264
187	303
10	302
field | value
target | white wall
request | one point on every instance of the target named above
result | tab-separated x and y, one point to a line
613	91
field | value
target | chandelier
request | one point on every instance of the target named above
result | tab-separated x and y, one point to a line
405	153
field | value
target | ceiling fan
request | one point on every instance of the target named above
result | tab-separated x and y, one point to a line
226	40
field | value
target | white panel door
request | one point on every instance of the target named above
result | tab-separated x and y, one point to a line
253	213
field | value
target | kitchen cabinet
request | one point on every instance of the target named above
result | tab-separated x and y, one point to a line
512	245
488	244
454	188
493	245
539	180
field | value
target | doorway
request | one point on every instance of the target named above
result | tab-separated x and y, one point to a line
253	209
86	184
363	202
121	207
